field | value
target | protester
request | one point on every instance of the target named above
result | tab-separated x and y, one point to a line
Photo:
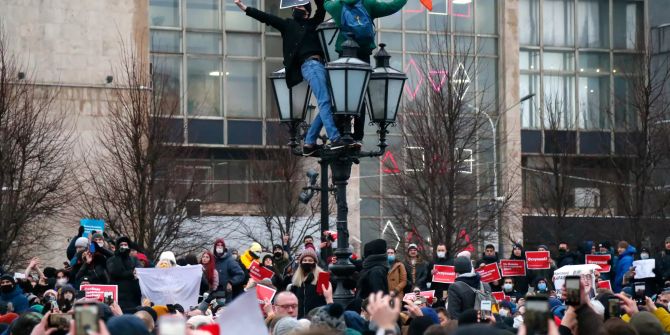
121	269
304	283
417	272
565	256
228	269
441	258
397	275
461	294
209	270
626	256
520	282
374	276
662	268
12	293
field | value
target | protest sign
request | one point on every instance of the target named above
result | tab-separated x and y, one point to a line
292	3
100	292
538	260
606	284
489	272
92	225
500	296
258	273
177	285
242	315
264	294
444	274
644	268
513	267
586	271
601	260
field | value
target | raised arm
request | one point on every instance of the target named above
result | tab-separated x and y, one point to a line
320	14
334	8
269	19
379	8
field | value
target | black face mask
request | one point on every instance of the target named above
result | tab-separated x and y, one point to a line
299	14
6	288
278	254
307	267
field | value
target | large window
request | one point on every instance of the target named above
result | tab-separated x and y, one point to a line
558	25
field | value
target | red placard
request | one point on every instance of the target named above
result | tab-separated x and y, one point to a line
259	273
321	281
606	284
99	292
444	274
538	260
489	272
601	260
500	296
513	267
264	294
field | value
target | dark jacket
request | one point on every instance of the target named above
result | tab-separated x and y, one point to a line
568	258
663	266
299	39
121	268
308	299
438	287
374	276
521	282
96	271
228	269
17	298
416	275
461	295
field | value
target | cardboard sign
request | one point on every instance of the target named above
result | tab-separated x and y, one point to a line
292	3
92	225
321	281
489	273
601	260
427	294
606	284
500	296
445	274
258	272
538	260
513	267
100	292
264	294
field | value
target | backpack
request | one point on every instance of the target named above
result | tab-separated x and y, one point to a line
356	21
481	295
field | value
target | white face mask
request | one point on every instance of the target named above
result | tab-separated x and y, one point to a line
441	254
219	250
101	244
644	256
61	281
503	313
508	287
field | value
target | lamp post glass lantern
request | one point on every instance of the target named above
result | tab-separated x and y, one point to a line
385	89
348	80
328	37
291	101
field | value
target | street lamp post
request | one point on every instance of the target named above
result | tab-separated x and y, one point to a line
348	84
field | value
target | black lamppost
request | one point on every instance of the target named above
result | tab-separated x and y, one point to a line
349	81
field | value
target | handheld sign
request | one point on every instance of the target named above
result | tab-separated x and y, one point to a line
292	3
92	225
100	292
264	294
537	260
444	274
258	272
322	280
601	260
513	267
489	273
606	284
499	296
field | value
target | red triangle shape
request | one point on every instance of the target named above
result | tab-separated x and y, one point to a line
394	166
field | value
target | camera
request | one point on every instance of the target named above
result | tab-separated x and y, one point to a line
614	308
537	315
573	294
640	298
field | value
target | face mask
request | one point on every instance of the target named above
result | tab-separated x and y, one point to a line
6	288
644	256
299	14
61	281
219	250
503	313
68	297
253	255
124	249
441	254
101	244
278	254
307	267
562	250
507	287
391	258
542	286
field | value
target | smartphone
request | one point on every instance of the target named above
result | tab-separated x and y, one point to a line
91	247
322	280
171	325
86	317
573	292
485	308
640	298
108	298
537	315
614	307
60	321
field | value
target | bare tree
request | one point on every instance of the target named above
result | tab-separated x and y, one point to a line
35	165
139	181
446	186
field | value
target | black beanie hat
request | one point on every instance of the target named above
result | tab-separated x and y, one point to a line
374	247
462	265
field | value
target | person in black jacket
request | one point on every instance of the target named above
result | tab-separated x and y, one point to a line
520	282
441	258
565	256
121	269
303	58
94	267
462	291
304	283
373	277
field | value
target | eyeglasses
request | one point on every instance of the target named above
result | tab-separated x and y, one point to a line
292	306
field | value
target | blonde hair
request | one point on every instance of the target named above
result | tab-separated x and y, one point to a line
299	276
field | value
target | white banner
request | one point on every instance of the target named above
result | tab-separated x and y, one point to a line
177	285
586	271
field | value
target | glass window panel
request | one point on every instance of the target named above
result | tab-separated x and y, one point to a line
486	16
594	62
530	113
559	102
243	83
463	16
393	40
392	21
487	82
203	14
558	18
624	113
439	17
529	16
237	20
593	23
415	42
164	13
271	110
439	43
203	43
529	60
627	63
204	86
487	46
167	82
271	7
273	46
165	41
370	207
465	45
627	33
243	45
415	19
594	95
559	61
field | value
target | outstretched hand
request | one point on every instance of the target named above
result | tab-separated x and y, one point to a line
381	312
239	4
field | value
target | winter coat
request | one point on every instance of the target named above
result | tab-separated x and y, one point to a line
489	259
229	270
308	299
568	258
281	263
416	275
374	276
461	295
96	271
663	266
397	278
521	282
622	266
438	287
16	298
121	268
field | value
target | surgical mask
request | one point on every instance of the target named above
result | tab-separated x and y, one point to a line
101	244
503	313
644	256
441	254
219	250
508	287
542	287
124	249
391	258
61	281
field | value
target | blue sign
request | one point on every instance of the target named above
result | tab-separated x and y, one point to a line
92	225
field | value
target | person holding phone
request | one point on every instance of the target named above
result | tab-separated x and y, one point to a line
304	283
626	256
94	268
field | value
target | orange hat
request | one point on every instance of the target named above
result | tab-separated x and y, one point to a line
160	310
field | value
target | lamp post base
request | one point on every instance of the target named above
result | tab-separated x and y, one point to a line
343	270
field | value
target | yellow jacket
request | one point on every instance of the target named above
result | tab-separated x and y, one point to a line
660	313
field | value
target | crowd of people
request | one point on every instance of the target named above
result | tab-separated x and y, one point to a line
393	294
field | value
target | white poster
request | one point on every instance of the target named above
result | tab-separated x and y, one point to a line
177	285
644	268
586	271
243	316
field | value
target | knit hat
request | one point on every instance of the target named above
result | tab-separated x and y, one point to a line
419	325
542	246
98	235
412	246
465	254
8	318
667	239
142	257
646	324
285	326
331	317
199	320
168	256
160	310
81	242
308	253
25	321
127	325
255	247
374	247
429	312
355	321
121	240
468	316
8	277
462	265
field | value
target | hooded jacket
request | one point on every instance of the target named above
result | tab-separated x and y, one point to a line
521	282
622	266
374	277
121	268
96	271
461	294
228	269
438	287
16	297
